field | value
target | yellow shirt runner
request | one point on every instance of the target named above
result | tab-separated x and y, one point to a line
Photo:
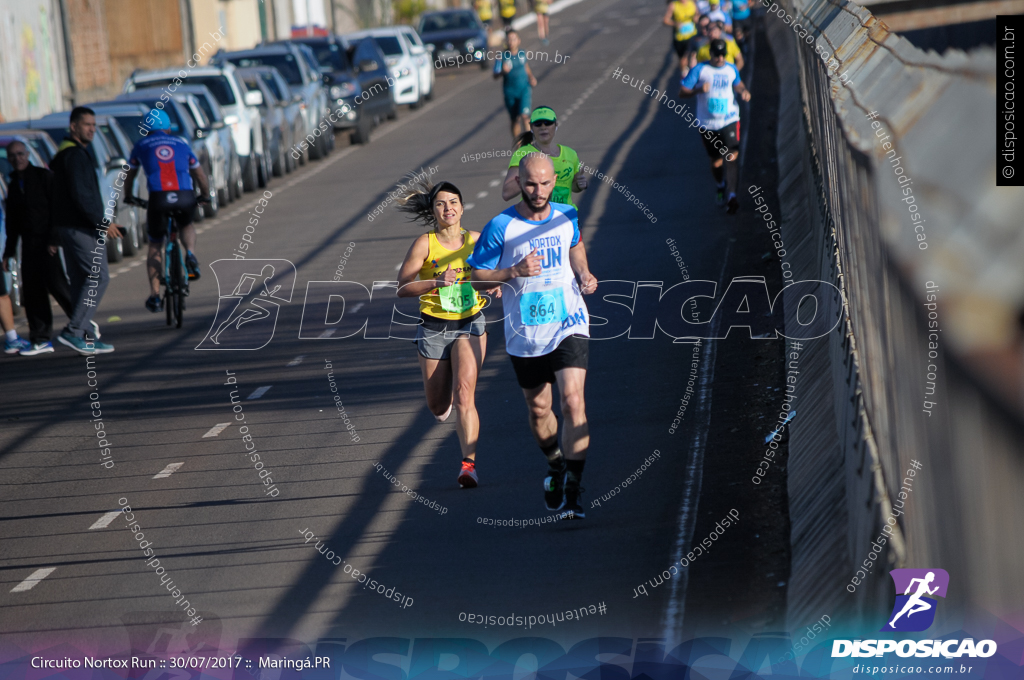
458	301
483	8
508	8
685	13
732	50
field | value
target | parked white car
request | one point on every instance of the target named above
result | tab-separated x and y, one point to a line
239	105
406	61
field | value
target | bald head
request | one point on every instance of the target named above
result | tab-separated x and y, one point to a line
536	180
17	155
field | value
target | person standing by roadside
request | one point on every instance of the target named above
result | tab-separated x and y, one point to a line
452	337
30	195
535	247
518	82
13	343
78	218
541	137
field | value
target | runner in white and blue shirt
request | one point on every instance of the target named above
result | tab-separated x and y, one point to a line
534	247
716	84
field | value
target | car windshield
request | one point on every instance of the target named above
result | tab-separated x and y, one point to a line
452	21
331	57
274	86
218	85
285	63
207	108
389	45
40	146
112	138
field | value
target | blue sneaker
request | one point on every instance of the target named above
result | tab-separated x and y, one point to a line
37	348
155	303
95	330
102	347
77	344
15	346
192	265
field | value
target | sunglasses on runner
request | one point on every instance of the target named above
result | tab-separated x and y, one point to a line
542	123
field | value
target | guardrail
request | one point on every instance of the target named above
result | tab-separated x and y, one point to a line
926	365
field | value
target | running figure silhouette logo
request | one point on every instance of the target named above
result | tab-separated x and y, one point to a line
247	316
914	611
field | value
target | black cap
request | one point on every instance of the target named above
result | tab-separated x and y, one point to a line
718	48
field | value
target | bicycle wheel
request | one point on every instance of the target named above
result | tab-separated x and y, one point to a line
168	305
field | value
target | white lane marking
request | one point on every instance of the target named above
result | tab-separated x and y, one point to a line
470	206
30	583
494	183
260	391
136	263
328	333
113	276
482	194
216	430
398	266
297	360
167	471
104	522
358	306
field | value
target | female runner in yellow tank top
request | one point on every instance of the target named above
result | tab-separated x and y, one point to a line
452	338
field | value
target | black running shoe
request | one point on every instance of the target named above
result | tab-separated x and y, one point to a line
154	304
572	509
553	497
733	204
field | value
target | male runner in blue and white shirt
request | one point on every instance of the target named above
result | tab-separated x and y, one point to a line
535	248
715	82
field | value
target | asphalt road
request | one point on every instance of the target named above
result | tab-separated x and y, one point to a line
238	556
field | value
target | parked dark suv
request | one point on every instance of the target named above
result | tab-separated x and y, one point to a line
351	71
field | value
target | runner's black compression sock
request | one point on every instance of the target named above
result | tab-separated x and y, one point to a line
717	172
732	176
575	468
554	455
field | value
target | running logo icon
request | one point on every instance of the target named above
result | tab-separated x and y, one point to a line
914	611
247	316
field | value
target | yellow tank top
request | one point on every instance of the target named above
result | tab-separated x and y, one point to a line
684	13
508	8
483	8
458	301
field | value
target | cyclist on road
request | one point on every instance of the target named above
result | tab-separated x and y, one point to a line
518	82
452	338
535	247
716	83
682	15
169	165
541	137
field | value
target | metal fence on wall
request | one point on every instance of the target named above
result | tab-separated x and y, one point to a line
845	214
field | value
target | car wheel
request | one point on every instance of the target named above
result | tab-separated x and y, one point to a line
213	207
130	242
249	172
115	249
262	176
361	135
235	181
483	64
430	93
280	160
392	111
222	196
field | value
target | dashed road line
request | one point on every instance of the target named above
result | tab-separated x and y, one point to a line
104	521
494	182
482	194
260	391
328	333
167	471
470	206
297	360
30	583
216	430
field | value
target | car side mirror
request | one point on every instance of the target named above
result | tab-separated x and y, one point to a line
254	98
368	65
116	164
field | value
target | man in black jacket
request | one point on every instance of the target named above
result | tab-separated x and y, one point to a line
83	230
30	194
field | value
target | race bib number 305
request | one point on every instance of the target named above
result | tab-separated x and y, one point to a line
458	298
542	307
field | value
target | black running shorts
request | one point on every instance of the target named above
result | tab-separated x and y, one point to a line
682	47
532	372
178	204
729	136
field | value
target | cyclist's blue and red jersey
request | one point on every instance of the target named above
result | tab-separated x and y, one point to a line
166	160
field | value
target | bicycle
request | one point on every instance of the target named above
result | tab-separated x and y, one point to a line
175	275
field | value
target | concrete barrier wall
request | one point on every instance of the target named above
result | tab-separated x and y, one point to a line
861	420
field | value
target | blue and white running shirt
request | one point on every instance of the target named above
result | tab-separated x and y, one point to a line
716	108
544	309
